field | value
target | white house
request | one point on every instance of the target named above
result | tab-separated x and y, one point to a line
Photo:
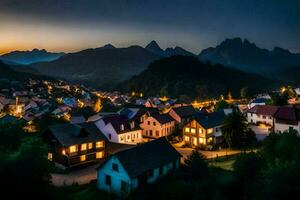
287	118
262	114
134	168
119	129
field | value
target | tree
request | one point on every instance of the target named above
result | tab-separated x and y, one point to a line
221	104
11	135
244	93
235	129
197	165
279	99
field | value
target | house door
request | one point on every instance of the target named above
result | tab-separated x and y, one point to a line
142	180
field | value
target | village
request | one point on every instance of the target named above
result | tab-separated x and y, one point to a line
124	142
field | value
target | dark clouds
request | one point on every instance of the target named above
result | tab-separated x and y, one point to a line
207	22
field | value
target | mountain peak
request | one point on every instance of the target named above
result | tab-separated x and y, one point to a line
154	48
109	46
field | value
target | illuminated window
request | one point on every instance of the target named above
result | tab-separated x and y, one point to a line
99	144
187	138
99	155
90	145
83	158
210	130
50	156
187	130
201	140
63	152
83	147
73	149
193	130
200	130
195	141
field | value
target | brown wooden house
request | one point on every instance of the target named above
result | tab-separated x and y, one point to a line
75	144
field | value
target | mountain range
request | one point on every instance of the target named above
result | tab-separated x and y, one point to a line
187	76
29	57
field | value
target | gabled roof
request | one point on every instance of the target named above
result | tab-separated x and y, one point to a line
70	134
185	111
288	113
118	121
264	110
146	157
211	120
163	118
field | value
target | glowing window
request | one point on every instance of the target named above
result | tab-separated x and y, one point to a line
187	138
193	130
63	152
83	147
50	156
210	130
187	130
99	144
90	145
99	155
83	158
200	130
73	149
201	140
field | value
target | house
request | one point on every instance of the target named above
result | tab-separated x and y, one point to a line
286	118
120	129
134	168
258	101
157	125
262	114
204	130
75	144
183	114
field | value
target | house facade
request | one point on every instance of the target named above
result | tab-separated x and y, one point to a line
75	144
128	170
287	118
183	114
204	130
262	114
119	129
157	125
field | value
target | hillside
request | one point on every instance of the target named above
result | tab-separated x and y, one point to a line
29	57
183	75
101	67
246	56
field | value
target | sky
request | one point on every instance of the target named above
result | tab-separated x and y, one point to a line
72	25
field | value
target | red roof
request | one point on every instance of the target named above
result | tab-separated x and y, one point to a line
290	113
264	110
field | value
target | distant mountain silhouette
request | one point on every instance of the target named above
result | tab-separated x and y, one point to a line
29	57
186	75
155	48
248	57
100	67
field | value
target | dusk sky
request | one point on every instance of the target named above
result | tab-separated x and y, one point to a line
71	25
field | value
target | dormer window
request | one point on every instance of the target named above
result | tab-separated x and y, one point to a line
122	127
132	125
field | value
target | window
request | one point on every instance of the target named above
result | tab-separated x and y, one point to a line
154	123
107	180
115	167
109	136
148	122
73	148
90	145
122	127
83	147
63	152
150	132
201	140
195	141
217	129
99	155
99	144
83	158
157	133
187	130
123	186
193	130
50	156
210	130
132	125
264	117
187	138
200	130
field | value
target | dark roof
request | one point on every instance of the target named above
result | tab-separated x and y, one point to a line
264	110
288	113
163	118
185	111
70	134
211	120
117	121
148	156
